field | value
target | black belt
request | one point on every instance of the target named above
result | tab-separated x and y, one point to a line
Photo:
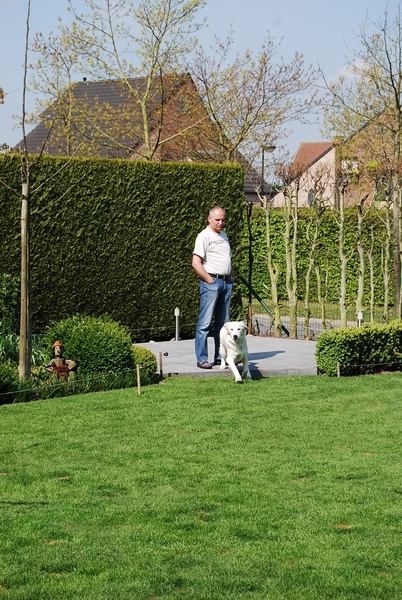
216	276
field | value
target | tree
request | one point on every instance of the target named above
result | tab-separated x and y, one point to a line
290	189
27	165
370	102
252	100
116	41
273	268
240	105
25	311
317	184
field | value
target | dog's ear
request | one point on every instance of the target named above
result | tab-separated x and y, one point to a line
244	324
227	326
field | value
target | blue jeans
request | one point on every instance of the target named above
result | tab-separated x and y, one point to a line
214	302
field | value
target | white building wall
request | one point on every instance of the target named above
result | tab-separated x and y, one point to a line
319	178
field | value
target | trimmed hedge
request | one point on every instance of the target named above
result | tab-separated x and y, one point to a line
358	350
327	255
116	237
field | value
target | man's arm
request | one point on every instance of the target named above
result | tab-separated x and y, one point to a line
199	269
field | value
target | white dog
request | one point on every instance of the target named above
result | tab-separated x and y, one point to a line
233	348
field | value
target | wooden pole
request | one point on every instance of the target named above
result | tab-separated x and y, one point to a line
23	355
138	380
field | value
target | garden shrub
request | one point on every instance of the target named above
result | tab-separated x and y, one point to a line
360	349
147	362
96	344
9	346
8	380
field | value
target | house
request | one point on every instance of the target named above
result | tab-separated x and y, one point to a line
112	119
312	173
360	165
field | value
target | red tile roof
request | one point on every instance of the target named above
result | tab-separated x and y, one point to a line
310	152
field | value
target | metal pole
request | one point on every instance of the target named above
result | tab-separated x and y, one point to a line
177	314
160	365
263	150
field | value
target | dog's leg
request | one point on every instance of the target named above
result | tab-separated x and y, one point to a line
222	352
246	371
234	370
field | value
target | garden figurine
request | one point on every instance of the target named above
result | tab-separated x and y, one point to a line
60	366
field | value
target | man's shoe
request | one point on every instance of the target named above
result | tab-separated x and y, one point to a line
217	361
204	365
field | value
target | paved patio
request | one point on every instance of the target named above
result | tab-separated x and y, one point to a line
268	356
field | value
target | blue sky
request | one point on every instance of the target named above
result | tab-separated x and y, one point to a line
321	30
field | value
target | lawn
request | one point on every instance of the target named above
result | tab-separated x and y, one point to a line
283	488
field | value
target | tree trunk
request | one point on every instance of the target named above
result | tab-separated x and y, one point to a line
291	223
25	343
312	243
274	272
397	250
386	261
362	260
320	297
372	284
343	259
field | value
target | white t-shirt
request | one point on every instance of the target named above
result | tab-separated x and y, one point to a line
214	249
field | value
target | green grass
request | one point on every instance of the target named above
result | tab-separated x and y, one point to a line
283	488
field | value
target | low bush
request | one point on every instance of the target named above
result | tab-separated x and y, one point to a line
147	362
9	346
101	348
97	344
358	350
8	378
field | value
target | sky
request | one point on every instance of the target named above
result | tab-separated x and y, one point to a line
321	30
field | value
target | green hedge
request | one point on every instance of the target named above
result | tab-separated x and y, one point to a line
116	237
327	255
358	350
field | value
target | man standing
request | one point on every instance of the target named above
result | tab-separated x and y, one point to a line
213	265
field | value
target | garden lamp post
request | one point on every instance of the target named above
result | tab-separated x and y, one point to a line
264	149
250	241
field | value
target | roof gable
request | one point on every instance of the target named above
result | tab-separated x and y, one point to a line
310	152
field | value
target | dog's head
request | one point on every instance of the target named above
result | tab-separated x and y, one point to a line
236	329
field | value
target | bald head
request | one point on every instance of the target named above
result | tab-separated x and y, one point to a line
216	219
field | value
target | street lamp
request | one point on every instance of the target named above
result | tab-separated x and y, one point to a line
250	243
264	149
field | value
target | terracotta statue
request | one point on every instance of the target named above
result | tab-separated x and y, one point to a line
60	366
